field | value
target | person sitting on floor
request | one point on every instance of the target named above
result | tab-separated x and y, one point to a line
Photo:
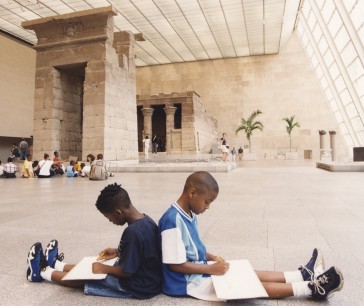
27	168
10	169
58	166
98	169
137	271
70	170
45	168
184	255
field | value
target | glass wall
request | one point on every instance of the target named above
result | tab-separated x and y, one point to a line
332	32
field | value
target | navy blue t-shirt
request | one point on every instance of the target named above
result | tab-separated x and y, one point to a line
140	255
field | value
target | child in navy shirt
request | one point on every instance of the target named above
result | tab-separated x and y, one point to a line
137	272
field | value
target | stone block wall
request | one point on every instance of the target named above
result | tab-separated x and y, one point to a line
85	88
205	126
279	85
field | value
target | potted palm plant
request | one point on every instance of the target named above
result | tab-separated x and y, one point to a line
291	124
248	126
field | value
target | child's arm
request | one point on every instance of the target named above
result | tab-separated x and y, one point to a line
219	268
211	257
117	271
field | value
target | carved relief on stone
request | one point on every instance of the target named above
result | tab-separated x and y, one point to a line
70	29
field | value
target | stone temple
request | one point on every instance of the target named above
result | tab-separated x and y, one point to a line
85	94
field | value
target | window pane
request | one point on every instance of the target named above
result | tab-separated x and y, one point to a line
334	71
340	84
335	23
355	69
351	110
345	97
359	86
327	10
341	39
349	4
339	117
357	124
328	58
348	54
317	33
357	14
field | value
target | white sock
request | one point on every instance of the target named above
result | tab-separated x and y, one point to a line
293	276
301	289
47	273
59	265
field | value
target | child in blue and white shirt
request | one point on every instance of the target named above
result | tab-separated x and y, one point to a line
184	256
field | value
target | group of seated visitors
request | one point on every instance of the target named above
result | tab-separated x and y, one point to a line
45	168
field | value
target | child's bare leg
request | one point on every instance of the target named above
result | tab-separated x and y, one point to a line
278	290
58	275
68	267
271	276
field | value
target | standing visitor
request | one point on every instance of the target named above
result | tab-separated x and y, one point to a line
23	149
155	144
146	141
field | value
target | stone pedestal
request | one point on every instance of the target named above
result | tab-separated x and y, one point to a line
85	88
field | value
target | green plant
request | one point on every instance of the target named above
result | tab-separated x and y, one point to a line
249	125
290	126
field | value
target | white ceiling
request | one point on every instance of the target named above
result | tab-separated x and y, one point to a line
176	30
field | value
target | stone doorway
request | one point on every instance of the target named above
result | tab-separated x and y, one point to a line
69	89
159	126
141	132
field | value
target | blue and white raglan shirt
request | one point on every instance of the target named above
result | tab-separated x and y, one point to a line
180	242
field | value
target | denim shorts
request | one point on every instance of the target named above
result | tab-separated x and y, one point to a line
109	287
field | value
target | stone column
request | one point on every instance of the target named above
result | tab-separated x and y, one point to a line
170	110
332	144
147	114
322	139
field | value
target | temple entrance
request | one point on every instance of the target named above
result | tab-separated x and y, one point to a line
141	132
68	92
159	126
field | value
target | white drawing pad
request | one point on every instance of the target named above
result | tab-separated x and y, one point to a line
83	270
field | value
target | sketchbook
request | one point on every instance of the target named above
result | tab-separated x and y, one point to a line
239	282
83	270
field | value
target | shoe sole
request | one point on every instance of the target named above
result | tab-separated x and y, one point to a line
338	271
31	255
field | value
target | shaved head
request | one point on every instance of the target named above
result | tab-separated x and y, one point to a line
202	181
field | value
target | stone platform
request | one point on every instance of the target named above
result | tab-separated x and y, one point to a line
174	163
341	166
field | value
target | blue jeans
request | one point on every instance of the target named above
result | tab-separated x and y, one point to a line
22	154
109	287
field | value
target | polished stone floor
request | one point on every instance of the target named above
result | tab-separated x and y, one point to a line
272	214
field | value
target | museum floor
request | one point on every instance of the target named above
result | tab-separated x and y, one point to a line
272	214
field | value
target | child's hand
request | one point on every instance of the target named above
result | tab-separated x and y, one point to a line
219	259
99	268
108	253
219	268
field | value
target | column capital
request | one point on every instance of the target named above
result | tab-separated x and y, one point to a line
170	110
147	111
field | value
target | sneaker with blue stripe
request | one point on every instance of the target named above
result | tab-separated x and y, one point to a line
51	253
36	262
